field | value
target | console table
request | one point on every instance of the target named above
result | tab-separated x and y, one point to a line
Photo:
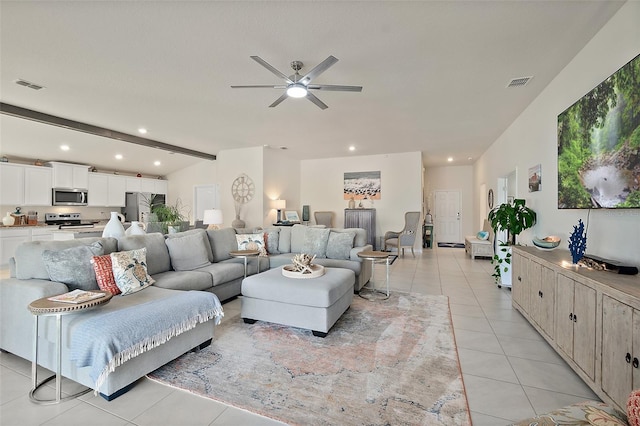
362	218
590	318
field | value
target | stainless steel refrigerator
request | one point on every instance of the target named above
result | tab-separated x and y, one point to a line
137	205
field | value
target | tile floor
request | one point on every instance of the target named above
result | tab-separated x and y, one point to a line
509	371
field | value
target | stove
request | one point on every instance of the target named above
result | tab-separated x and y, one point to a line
66	220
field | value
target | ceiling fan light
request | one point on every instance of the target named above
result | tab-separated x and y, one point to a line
297	90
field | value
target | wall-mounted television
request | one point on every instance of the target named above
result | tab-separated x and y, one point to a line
599	145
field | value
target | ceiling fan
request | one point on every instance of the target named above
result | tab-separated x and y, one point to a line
299	86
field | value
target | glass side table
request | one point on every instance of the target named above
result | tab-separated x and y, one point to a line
375	257
46	307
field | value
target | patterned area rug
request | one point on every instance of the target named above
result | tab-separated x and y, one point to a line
386	362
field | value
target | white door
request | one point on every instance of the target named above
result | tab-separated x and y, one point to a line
447	217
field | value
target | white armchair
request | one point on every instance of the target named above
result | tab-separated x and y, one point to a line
324	218
406	237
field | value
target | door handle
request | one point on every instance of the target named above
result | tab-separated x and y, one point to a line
571	317
628	358
635	362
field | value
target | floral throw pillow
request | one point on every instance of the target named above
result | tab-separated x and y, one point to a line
251	242
104	274
130	270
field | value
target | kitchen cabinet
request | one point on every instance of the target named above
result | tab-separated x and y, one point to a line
153	186
70	175
620	349
133	184
9	240
42	233
576	322
11	184
362	218
106	190
37	186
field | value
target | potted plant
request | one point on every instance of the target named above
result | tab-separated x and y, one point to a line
170	216
513	218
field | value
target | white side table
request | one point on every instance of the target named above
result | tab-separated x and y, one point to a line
376	257
46	307
245	254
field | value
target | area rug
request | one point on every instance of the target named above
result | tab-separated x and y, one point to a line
451	245
386	362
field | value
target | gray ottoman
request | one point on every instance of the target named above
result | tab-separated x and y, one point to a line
314	304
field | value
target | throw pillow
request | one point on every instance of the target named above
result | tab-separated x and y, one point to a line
315	242
251	242
633	408
340	244
188	252
271	240
130	270
72	266
482	235
104	274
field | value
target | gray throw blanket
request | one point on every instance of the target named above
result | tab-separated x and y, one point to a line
106	341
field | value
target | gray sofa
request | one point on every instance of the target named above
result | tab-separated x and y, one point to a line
191	260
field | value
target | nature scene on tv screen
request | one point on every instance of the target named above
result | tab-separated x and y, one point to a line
599	145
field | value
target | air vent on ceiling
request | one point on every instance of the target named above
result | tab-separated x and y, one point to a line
519	82
29	84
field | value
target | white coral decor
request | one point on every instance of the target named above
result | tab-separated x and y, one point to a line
302	263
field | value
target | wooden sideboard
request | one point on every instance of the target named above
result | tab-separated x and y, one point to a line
591	318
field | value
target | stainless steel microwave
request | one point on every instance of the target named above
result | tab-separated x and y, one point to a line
69	197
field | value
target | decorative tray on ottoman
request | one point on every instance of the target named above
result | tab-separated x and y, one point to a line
290	272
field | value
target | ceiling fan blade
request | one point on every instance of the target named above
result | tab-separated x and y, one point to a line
319	69
268	66
316	101
334	87
260	86
279	100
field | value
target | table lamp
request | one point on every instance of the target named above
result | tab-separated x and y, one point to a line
279	205
213	218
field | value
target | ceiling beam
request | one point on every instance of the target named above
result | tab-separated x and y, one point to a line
28	114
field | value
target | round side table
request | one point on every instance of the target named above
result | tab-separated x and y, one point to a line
46	307
245	254
376	257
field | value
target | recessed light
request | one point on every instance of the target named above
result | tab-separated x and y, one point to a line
64	147
470	158
142	130
118	156
156	163
352	148
450	159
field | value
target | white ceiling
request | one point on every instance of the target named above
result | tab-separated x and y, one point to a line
434	74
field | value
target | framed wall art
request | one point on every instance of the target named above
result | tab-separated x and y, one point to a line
362	185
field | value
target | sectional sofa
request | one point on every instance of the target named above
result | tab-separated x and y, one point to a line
193	260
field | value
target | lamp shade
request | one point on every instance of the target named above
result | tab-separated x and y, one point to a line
279	204
297	90
212	217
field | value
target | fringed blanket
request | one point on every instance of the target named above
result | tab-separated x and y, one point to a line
107	341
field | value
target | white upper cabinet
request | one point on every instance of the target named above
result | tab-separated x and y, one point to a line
133	184
117	191
37	186
70	175
106	190
154	186
11	184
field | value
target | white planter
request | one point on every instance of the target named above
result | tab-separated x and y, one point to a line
505	268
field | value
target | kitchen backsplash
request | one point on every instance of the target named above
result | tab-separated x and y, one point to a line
88	213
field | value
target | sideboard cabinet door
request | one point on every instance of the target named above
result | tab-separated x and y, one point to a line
362	218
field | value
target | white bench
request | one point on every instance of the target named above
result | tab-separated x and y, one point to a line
477	247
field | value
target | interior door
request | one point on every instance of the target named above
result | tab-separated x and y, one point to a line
447	218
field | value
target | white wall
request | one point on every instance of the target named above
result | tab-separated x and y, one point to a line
531	139
181	184
322	185
281	181
453	178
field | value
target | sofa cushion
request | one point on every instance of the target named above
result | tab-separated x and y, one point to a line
360	239
183	280
354	265
297	238
222	241
28	255
72	266
284	240
197	231
158	259
130	270
225	271
340	244
104	274
271	240
189	251
251	242
315	241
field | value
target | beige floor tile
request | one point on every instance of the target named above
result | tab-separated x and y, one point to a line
553	377
515	329
235	417
485	342
470	323
23	412
509	314
496	398
85	414
467	310
194	410
464	300
537	350
484	364
13	385
479	419
544	401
